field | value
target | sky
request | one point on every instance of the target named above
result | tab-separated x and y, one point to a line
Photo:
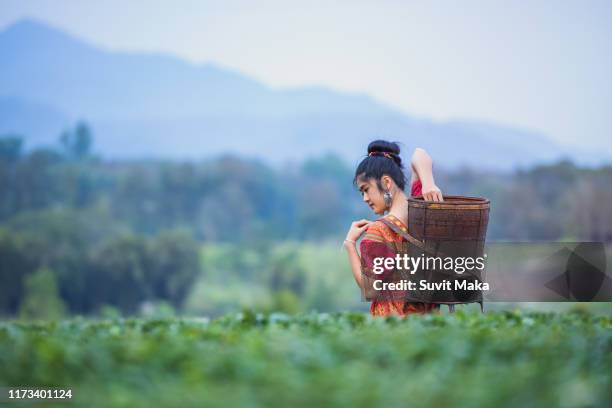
539	65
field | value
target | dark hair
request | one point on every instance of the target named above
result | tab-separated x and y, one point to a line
383	158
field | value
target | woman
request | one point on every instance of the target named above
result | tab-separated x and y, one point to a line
381	180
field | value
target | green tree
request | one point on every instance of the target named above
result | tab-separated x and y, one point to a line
285	271
174	265
77	143
41	297
10	154
14	265
119	274
10	148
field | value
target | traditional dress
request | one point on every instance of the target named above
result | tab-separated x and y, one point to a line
381	241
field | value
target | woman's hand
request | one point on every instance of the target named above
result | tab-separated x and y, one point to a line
422	169
431	192
357	229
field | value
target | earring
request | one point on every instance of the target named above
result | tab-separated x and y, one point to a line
387	197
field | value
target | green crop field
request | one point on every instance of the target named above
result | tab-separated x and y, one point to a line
344	359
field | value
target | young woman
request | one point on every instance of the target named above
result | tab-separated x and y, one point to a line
381	181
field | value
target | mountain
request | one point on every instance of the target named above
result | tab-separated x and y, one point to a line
155	105
41	123
45	65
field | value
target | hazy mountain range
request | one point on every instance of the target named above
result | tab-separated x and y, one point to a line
153	105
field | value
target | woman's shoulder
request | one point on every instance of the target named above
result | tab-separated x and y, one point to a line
378	231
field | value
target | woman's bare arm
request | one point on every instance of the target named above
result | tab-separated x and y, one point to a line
354	261
357	229
422	169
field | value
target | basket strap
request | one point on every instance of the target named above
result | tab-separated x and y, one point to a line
406	235
410	238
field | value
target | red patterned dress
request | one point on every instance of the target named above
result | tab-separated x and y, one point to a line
381	241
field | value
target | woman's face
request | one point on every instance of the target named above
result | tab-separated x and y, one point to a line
372	196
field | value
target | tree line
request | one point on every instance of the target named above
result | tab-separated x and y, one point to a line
92	232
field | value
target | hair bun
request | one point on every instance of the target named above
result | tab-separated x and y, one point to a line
384	146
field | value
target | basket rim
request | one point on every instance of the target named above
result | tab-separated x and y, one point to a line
456	200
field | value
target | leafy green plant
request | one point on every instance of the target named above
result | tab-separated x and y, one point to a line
506	358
